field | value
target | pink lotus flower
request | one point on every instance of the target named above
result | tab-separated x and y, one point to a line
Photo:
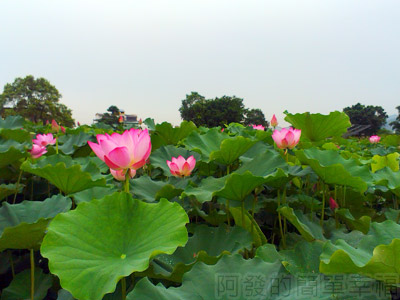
286	138
44	140
129	150
258	127
120	174
120	119
62	129
274	121
374	139
333	204
37	151
181	167
79	124
54	126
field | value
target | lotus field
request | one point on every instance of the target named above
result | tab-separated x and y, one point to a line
187	213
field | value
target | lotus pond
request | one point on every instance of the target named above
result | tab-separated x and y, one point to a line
198	213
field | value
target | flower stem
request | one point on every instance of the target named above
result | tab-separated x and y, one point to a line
17	186
280	221
123	287
323	204
56	143
243	214
12	264
126	183
32	275
227	212
252	212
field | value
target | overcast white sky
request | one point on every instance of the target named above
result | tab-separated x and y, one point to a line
145	56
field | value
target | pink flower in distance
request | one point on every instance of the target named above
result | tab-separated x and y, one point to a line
129	150
374	139
274	121
180	166
333	204
44	139
258	127
286	138
62	129
37	151
120	174
54	126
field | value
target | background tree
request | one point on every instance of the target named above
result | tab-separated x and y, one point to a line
110	117
396	124
36	100
374	116
255	116
214	112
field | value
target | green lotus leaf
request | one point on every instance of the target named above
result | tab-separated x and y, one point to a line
334	169
376	255
390	160
149	122
249	224
258	148
392	214
206	189
70	143
236	278
92	247
11	151
201	282
318	127
23	225
20	287
208	245
304	258
231	149
12	128
165	134
151	190
268	253
389	179
391	140
308	229
205	143
67	175
362	224
160	156
64	295
8	189
96	192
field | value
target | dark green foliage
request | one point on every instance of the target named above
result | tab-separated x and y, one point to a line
396	124
36	100
374	116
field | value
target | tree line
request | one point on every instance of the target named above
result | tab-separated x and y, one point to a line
39	101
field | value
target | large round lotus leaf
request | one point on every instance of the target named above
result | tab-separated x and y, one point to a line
8	189
69	176
160	156
23	225
165	134
207	245
231	149
317	127
10	128
96	192
236	278
206	189
375	256
20	287
68	144
92	247
334	169
10	151
389	179
308	229
391	160
205	143
145	188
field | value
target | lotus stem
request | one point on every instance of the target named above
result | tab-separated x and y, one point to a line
280	221
323	204
243	214
284	202
123	287
56	143
17	186
252	212
126	183
32	275
12	264
227	212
